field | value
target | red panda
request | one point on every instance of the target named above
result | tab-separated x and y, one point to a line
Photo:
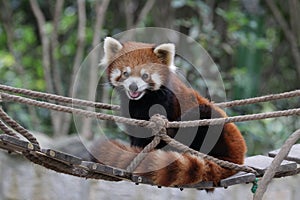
145	77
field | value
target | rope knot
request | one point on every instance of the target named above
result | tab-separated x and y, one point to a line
160	124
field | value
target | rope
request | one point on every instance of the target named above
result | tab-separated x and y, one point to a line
77	111
157	123
265	98
74	101
141	156
254	186
17	127
149	124
7	130
222	163
160	128
161	134
58	98
242	118
269	174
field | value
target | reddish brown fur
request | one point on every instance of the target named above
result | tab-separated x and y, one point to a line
169	168
165	168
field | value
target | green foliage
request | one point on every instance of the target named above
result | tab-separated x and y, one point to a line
253	56
265	135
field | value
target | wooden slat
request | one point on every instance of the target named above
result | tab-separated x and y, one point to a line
140	179
261	163
294	154
201	185
106	170
62	157
15	144
240	177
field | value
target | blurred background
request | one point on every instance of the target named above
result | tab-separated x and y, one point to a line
254	43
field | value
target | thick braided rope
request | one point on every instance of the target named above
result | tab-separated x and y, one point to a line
270	172
142	155
60	99
148	124
161	134
222	163
17	127
159	128
265	98
217	121
89	114
7	130
74	101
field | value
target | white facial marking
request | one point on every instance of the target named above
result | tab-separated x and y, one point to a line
143	71
173	68
128	69
114	75
142	86
156	79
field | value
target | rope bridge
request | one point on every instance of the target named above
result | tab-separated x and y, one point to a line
69	164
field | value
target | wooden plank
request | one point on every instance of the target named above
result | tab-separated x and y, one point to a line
62	157
201	185
9	148
140	179
294	154
106	170
15	144
291	173
238	178
261	163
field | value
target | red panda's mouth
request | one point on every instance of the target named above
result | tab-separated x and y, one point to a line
135	95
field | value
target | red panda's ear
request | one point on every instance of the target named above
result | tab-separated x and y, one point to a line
111	47
166	53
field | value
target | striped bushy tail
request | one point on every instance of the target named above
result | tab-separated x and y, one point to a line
164	168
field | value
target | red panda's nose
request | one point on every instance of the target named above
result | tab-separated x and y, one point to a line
133	87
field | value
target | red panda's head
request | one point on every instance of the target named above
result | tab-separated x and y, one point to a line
138	67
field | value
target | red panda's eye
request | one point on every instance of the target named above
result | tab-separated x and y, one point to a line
126	74
145	76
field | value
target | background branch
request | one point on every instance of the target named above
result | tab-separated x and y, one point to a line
100	8
46	52
58	85
45	44
287	32
144	12
6	17
80	42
